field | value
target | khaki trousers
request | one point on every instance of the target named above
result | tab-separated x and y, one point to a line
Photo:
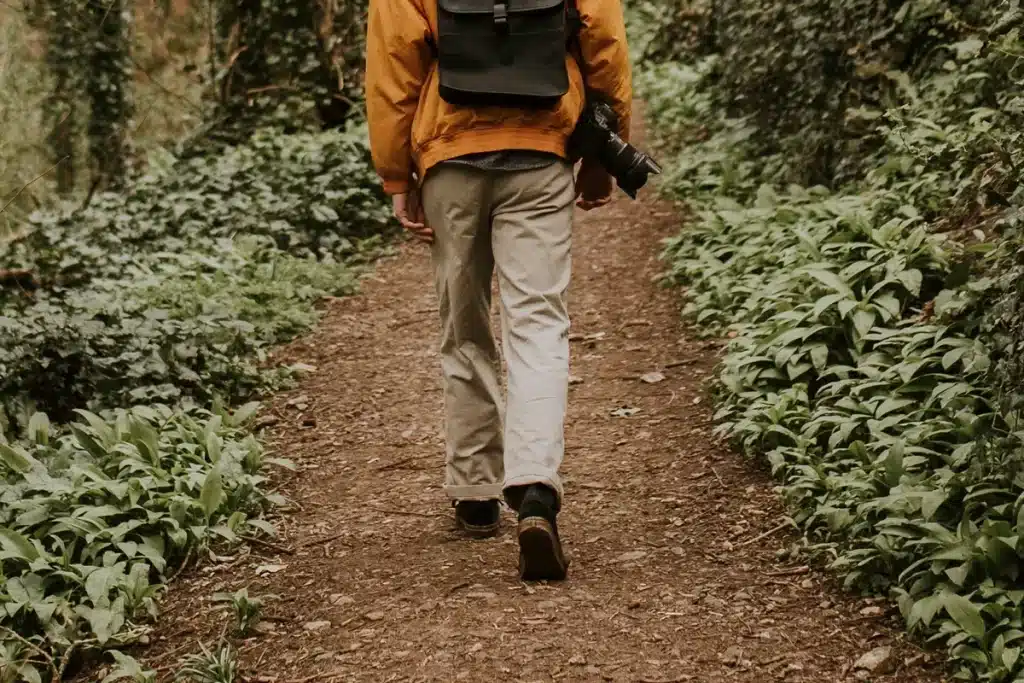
519	222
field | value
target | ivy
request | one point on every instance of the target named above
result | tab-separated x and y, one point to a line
63	56
108	89
173	290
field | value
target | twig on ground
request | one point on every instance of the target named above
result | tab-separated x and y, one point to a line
321	541
30	183
30	645
58	673
719	478
267	544
791	572
773	530
184	565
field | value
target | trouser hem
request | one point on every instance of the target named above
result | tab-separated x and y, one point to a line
473	491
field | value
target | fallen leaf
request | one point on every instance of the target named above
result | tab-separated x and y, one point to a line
631	556
316	625
878	661
265	569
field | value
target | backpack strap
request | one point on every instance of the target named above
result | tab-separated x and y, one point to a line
575	22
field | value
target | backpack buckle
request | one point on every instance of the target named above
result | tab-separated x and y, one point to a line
501	17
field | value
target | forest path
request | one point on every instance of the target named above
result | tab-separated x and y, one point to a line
673	537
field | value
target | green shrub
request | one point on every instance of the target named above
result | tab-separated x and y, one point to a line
875	326
92	518
173	291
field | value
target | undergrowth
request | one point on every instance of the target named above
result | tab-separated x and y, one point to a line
874	324
119	322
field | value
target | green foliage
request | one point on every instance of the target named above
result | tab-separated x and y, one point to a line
246	610
127	669
874	360
64	51
292	64
93	517
149	295
218	666
108	88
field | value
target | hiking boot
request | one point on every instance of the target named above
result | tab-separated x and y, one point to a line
540	550
478	518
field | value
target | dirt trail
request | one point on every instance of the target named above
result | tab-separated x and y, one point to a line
674	575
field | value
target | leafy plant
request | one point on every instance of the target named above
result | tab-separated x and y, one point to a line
174	291
92	518
875	324
218	666
128	669
247	611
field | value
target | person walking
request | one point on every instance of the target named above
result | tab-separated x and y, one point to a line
471	105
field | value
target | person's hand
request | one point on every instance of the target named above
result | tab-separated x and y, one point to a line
593	186
409	211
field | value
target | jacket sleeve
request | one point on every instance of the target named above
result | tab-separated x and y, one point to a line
605	56
398	60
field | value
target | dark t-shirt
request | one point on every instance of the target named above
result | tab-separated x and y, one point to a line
507	160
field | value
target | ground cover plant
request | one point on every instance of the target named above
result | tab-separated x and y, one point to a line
195	210
859	241
130	315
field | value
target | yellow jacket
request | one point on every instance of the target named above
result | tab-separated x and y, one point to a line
412	128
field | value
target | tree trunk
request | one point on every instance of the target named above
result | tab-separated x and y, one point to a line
286	62
62	55
108	88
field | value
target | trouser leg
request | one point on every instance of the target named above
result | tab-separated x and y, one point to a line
531	238
457	205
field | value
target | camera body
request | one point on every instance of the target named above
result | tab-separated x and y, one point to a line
596	137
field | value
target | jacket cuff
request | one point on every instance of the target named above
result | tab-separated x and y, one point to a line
396	186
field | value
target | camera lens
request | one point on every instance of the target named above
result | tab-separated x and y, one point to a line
628	165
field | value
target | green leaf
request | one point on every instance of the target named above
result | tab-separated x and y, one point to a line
102	620
29	674
911	279
17	459
244	414
831	280
923	611
965	613
819	356
15	543
101	581
263	526
212	493
213	447
863	321
1010	657
128	668
958	574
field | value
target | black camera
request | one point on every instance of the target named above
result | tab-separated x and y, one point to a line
595	137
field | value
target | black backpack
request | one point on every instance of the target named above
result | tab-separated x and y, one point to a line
508	53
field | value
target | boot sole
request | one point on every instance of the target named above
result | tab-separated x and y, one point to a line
540	552
474	531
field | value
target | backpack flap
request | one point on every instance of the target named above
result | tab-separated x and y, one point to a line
502	52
